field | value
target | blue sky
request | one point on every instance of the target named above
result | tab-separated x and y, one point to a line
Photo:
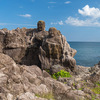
78	20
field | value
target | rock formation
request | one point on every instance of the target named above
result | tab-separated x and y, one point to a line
37	47
26	56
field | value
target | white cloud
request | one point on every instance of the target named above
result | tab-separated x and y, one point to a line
26	15
67	2
57	23
87	22
93	18
91	12
51	2
52	23
61	22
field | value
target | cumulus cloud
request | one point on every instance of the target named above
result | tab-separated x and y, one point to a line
91	12
54	23
57	23
67	2
93	18
78	22
61	22
26	15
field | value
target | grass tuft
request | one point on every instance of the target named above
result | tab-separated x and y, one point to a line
62	73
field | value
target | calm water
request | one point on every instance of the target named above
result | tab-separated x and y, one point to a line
88	53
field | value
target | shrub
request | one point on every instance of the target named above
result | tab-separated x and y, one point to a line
62	73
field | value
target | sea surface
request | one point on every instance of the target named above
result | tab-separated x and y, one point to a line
88	53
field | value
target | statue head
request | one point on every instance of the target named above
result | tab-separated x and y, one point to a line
41	26
53	31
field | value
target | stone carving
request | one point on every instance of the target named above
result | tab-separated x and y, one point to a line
41	26
54	32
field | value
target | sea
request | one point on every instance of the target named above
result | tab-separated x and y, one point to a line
88	53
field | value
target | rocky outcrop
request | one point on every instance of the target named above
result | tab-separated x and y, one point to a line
28	58
37	47
20	82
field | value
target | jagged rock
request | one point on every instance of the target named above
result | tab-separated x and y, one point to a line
95	74
37	47
55	50
46	74
29	96
20	82
69	62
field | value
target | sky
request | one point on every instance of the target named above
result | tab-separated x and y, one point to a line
78	20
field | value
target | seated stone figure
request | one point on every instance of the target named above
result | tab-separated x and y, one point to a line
54	32
41	26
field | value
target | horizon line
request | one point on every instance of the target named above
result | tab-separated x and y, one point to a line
83	41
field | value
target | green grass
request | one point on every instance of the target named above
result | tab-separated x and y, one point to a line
80	89
97	83
48	96
96	90
74	84
94	98
65	82
62	73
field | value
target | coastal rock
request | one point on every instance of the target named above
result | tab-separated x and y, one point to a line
37	47
20	82
95	74
29	57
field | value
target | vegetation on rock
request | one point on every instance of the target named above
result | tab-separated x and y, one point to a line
62	73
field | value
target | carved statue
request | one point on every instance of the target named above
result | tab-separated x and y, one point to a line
41	26
53	32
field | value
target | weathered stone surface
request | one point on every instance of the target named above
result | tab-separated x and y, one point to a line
21	82
29	96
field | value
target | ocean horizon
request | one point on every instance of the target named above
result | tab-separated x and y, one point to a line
88	53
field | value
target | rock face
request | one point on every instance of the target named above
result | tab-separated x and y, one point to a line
20	82
37	47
